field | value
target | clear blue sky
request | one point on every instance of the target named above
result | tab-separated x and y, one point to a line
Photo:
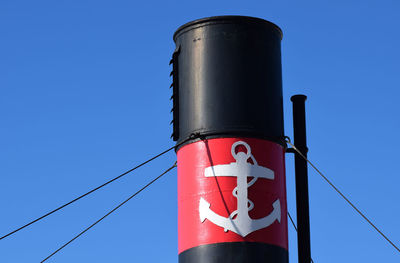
84	96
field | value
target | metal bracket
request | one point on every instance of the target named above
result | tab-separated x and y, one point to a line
175	94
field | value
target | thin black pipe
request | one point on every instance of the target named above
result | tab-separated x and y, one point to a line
302	203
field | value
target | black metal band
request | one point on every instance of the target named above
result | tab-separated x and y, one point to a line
235	252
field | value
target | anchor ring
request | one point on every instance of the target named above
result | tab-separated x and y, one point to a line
234	154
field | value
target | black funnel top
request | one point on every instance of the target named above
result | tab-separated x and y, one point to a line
227	79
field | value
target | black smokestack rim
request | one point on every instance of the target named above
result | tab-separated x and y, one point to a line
226	20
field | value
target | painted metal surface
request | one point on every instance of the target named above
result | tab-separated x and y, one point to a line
302	203
228	124
227	79
231	190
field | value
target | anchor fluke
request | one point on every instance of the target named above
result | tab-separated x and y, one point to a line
277	210
203	208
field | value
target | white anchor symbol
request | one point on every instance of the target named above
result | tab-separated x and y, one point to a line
239	220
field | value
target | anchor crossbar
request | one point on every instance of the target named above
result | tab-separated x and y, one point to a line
231	169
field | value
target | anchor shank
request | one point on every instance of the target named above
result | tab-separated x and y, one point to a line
242	201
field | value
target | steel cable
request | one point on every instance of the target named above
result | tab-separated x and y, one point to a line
91	191
342	195
110	212
295	227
